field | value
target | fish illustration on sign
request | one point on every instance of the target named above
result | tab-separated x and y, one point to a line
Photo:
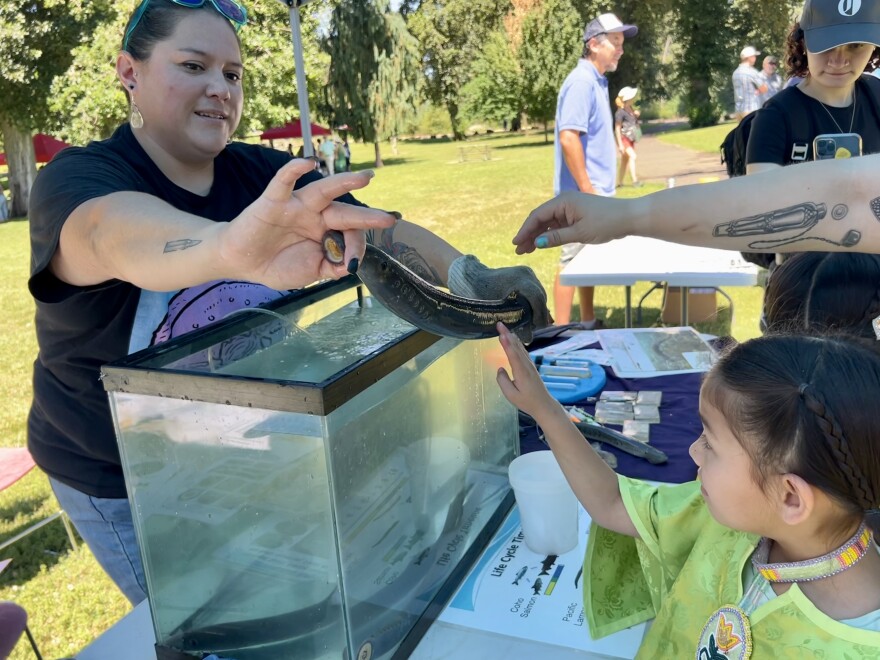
521	574
547	564
536	587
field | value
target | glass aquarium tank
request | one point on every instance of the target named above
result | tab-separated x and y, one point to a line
312	479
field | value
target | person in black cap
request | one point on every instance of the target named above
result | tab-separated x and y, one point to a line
586	150
830	48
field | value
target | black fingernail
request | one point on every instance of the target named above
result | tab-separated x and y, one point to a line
353	265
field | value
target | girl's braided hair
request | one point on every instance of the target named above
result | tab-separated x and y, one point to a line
806	405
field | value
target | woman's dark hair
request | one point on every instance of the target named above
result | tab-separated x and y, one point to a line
805	405
157	24
824	291
796	54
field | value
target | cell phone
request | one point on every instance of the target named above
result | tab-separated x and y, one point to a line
837	145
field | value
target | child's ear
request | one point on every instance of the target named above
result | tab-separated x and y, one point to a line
796	499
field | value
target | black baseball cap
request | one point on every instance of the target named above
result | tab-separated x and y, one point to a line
828	24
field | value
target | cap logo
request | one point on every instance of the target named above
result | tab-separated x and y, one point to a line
849	7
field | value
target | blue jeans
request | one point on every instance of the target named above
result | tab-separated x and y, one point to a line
107	528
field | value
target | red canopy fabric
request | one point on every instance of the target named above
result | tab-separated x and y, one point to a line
291	130
45	148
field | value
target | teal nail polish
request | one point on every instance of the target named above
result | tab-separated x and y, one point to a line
541	242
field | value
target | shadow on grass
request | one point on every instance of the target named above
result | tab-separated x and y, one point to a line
386	162
25	507
45	547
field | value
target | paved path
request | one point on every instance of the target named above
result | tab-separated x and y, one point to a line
657	161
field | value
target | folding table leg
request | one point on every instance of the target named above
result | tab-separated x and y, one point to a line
684	306
657	285
627	313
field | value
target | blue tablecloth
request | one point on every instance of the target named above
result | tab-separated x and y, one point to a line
679	426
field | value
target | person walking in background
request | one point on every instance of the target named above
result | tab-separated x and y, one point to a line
4	206
328	154
347	151
585	148
748	84
341	164
770	74
627	133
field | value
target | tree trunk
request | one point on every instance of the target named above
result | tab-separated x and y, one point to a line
22	166
379	162
452	109
546	132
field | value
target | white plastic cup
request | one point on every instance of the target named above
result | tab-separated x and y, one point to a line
548	508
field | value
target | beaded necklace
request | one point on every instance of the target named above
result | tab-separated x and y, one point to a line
728	632
846	556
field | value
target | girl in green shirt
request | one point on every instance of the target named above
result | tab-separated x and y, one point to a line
770	553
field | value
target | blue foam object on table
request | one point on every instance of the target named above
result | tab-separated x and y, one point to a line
570	389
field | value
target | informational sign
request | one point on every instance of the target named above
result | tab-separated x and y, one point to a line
515	592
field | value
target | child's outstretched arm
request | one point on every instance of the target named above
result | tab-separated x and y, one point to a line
593	482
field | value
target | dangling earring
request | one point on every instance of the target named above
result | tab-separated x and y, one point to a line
137	119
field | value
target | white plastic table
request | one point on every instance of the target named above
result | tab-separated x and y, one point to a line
627	261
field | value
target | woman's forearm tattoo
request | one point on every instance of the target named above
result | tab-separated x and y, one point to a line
798	219
182	244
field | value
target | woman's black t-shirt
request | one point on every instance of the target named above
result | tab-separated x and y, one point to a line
780	130
80	329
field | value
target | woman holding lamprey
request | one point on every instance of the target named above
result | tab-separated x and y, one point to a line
167	208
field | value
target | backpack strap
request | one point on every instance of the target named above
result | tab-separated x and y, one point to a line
801	126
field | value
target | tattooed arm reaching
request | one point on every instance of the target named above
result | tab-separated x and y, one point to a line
829	205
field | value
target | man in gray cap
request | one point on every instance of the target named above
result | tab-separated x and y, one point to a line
770	74
585	150
748	84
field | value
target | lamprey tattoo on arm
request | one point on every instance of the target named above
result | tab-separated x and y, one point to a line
178	246
800	218
405	254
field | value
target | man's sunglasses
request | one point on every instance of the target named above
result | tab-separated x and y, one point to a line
230	9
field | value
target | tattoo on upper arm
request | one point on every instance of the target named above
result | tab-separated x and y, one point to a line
799	218
182	244
875	207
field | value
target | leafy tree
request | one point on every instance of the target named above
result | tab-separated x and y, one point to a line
38	37
372	83
552	42
703	71
495	90
452	33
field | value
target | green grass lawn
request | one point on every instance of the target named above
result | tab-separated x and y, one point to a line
707	139
476	205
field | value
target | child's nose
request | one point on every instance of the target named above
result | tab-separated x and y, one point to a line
694	451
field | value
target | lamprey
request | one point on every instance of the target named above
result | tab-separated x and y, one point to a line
428	307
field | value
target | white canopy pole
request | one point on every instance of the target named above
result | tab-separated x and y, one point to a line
302	91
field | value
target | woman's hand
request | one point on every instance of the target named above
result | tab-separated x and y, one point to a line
574	218
525	390
277	240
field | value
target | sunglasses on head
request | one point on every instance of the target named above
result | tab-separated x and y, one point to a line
229	9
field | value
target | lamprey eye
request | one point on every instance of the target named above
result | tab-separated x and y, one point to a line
334	246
